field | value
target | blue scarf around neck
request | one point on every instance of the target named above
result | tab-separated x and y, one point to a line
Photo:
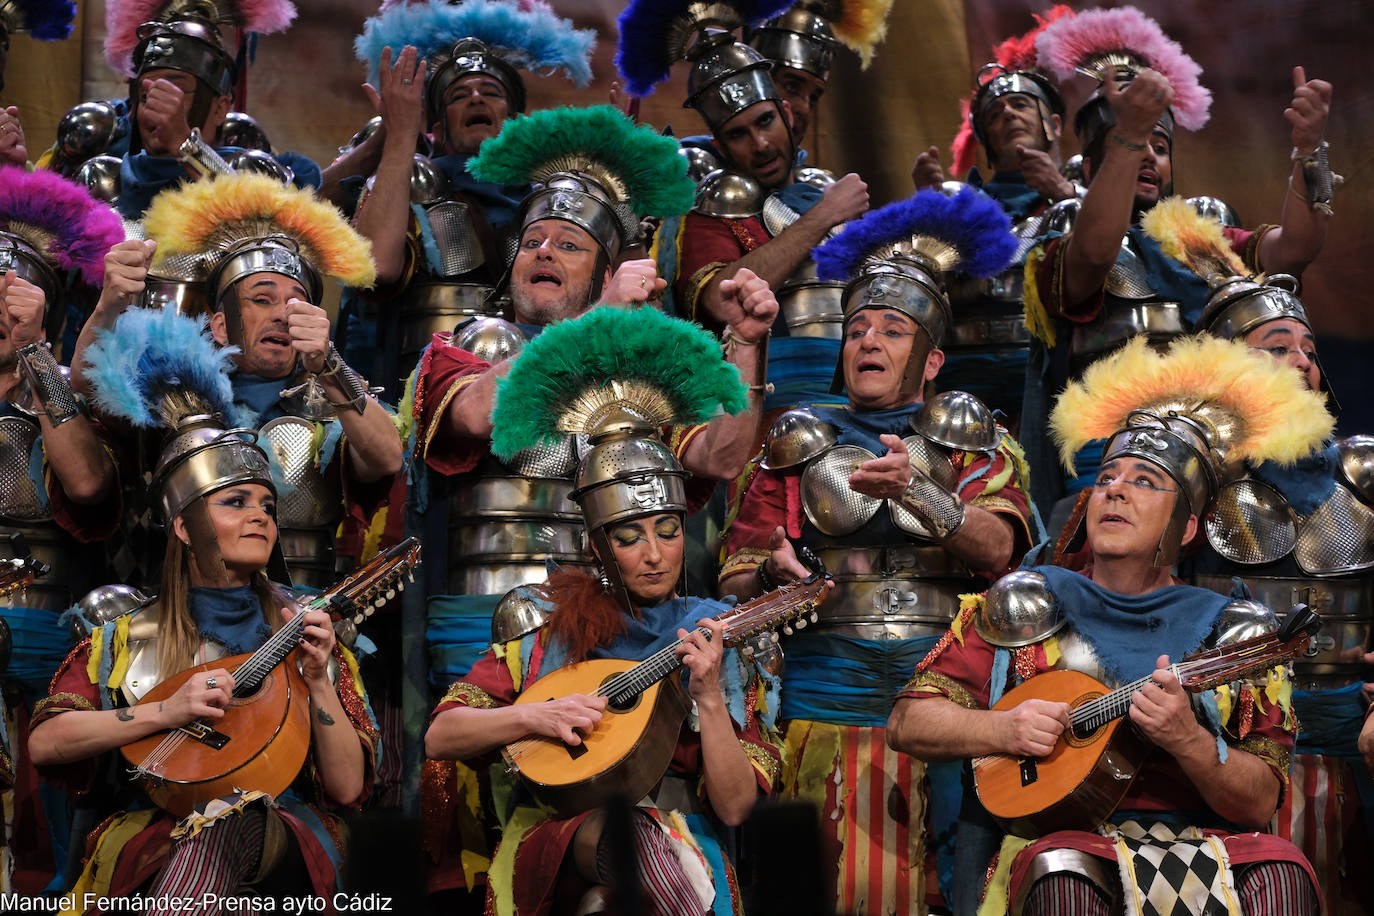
231	617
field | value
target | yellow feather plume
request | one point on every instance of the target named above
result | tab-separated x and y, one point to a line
1260	408
1193	240
217	214
861	25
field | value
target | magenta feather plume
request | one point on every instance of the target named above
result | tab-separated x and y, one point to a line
123	17
964	149
76	229
1069	42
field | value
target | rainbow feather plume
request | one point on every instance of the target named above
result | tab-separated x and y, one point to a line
46	20
1260	408
123	17
206	216
1193	240
155	367
665	370
530	34
60	219
636	163
969	233
862	25
1080	43
655	34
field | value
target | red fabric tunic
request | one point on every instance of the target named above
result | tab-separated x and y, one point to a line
708	245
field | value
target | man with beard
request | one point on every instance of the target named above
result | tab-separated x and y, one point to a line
1299	534
438	234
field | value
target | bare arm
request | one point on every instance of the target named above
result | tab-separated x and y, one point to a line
384	217
779	259
362	159
338	753
126	268
1302	230
464	732
1109	204
935	728
730	782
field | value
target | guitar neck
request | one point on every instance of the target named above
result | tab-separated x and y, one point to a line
249	675
625	686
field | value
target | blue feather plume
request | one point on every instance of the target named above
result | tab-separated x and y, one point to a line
971	222
645	52
539	38
47	20
150	352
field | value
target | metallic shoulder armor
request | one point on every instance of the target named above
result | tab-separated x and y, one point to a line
520	612
1251	523
260	163
428	184
100	176
729	195
1355	461
86	131
701	162
1061	217
243	131
492	340
101	605
958	420
1019	609
1215	208
795	437
814	176
1242	620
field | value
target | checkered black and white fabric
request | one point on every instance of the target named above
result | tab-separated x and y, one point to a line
1173	874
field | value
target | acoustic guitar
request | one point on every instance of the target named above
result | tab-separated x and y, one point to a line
630	749
262	740
1084	778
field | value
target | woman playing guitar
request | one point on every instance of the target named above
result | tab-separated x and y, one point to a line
214	490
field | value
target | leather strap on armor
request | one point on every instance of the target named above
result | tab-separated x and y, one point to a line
47	383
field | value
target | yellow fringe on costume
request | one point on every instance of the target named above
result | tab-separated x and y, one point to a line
217	213
95	878
119	651
1193	240
502	874
861	25
1037	318
1259	408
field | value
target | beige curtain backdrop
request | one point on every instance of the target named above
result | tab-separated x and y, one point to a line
304	88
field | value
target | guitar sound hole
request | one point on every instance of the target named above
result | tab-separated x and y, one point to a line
1083	734
621	703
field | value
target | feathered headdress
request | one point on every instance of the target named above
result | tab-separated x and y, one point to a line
1014	53
635	164
527	34
215	216
1097	43
46	20
1194	240
60	220
577	373
1254	407
155	368
655	34
969	233
123	17
860	24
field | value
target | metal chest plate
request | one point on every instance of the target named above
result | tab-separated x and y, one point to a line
1337	538
934	462
1251	523
305	498
830	505
455	236
19	498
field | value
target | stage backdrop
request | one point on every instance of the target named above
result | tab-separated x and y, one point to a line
305	89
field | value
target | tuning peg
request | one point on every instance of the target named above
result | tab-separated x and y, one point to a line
390	593
748	651
786	628
773	636
357	619
801	623
410	575
814	616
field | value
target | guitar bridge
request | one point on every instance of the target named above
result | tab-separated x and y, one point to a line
205	735
1029	771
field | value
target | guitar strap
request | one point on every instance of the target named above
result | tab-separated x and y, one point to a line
1173	874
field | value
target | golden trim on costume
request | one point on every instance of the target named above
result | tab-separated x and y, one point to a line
936	683
762	760
63	702
699	281
468	695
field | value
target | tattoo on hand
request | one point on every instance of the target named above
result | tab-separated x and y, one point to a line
323	717
124	715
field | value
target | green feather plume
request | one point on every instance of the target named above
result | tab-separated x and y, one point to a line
636	164
665	369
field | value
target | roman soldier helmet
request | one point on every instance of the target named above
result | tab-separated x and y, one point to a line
897	258
496	38
605	375
1118	44
1196	411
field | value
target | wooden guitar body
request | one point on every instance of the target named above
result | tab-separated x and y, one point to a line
260	743
627	753
1083	779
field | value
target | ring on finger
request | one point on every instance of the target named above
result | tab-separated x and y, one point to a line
643	283
211	682
406	82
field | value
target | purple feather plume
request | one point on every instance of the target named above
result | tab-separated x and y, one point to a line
82	228
642	54
975	224
47	20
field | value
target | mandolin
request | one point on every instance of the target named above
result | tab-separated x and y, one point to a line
630	749
263	738
1084	778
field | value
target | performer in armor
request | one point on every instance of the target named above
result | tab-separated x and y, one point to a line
1109	607
630	491
60	492
1016	115
263	248
214	489
45	20
1305	535
905	534
759	212
440	236
1090	292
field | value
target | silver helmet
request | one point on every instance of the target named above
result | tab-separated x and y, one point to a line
726	78
1239	305
800	38
470	57
996	81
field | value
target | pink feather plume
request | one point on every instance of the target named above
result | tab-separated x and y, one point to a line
964	149
1070	42
123	17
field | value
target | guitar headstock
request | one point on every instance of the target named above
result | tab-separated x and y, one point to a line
20	571
1215	667
787	606
369	588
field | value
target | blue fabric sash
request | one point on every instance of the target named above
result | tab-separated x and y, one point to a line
800	369
261	395
847	681
800	197
1130	631
1010	190
1331	721
457	633
1169	278
499	202
231	617
1307	484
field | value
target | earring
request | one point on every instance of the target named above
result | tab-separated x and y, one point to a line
605	579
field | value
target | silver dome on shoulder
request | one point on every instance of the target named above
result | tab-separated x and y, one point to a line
796	436
958	420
